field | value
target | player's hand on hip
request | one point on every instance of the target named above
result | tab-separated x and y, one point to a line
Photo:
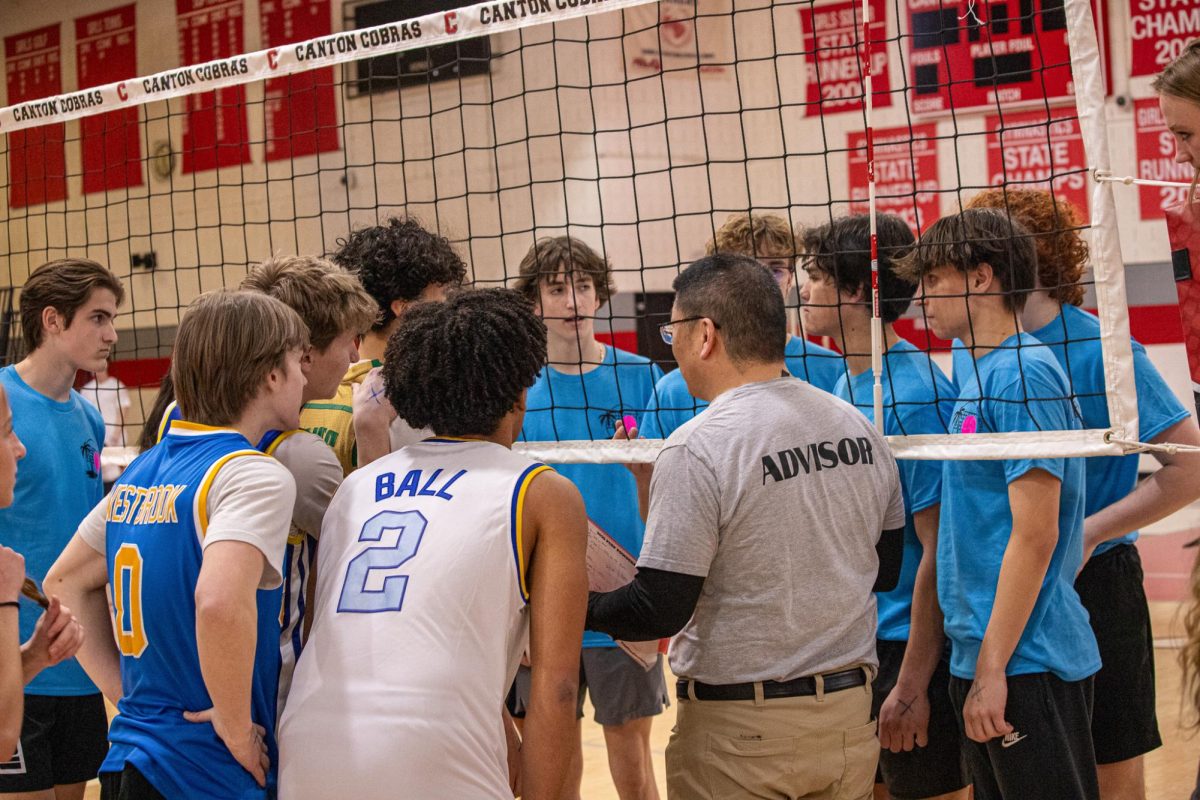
12	574
246	743
56	637
983	712
904	720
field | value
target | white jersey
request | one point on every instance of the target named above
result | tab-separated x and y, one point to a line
420	624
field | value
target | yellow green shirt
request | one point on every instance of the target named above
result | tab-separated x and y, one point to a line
333	419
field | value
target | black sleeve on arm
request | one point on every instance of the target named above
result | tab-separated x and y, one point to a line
655	605
890	549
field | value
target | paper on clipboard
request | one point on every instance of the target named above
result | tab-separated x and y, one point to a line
609	567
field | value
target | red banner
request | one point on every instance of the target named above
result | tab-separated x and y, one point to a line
106	51
966	54
214	131
832	45
1031	152
906	173
301	109
1159	30
37	157
1156	161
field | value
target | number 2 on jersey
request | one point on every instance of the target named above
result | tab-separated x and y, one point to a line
409	527
127	600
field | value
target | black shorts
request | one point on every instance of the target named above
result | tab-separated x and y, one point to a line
621	690
128	784
63	741
938	767
1124	721
1048	755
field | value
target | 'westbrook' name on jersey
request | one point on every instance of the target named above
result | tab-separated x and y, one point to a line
134	505
385	485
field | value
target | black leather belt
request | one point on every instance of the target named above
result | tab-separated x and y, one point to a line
797	687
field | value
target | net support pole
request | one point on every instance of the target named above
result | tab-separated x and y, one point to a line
876	321
1108	266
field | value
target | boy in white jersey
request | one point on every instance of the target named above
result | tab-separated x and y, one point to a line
424	603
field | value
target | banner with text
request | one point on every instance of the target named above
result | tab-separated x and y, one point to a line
1159	29
215	129
1032	151
106	51
906	173
833	47
1156	161
670	37
301	109
965	54
37	157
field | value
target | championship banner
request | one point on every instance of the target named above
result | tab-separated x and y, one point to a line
1156	161
215	129
906	173
832	36
106	51
1031	150
966	54
1183	228
670	36
301	109
436	28
1159	29
37	159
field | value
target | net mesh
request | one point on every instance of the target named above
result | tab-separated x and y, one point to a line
637	127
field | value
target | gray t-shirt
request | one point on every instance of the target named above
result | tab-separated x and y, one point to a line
777	494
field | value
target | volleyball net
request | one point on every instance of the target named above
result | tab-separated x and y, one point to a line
638	127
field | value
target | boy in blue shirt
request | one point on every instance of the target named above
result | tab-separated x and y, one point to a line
191	543
67	312
767	238
586	388
921	755
1124	723
1010	538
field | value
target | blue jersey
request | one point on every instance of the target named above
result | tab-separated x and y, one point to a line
58	483
1074	338
1017	387
917	398
588	406
672	404
155	522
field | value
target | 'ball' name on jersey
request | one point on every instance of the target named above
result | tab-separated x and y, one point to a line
415	485
816	456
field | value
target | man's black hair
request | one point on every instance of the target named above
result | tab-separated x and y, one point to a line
397	260
741	296
458	367
842	250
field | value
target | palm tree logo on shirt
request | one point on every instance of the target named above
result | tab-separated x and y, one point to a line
91	459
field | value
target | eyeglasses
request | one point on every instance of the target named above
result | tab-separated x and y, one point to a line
667	329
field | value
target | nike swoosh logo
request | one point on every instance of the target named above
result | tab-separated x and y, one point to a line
1010	742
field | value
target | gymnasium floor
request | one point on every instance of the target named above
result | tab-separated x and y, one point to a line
1170	770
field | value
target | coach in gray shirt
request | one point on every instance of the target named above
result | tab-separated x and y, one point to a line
763	545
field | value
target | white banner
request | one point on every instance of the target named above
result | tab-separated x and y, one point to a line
394	37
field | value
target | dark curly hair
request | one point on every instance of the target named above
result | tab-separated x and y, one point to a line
397	260
458	367
1055	224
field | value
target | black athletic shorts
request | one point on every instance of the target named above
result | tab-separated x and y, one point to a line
1124	721
938	767
620	689
63	741
128	784
1048	755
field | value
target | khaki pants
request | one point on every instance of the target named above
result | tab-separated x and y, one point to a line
820	747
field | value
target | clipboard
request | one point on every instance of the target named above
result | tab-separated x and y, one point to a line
609	567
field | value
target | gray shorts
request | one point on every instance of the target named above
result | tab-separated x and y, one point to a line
620	689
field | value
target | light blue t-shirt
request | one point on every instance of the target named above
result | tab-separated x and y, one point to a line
672	404
58	483
1074	338
1019	387
588	406
917	398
